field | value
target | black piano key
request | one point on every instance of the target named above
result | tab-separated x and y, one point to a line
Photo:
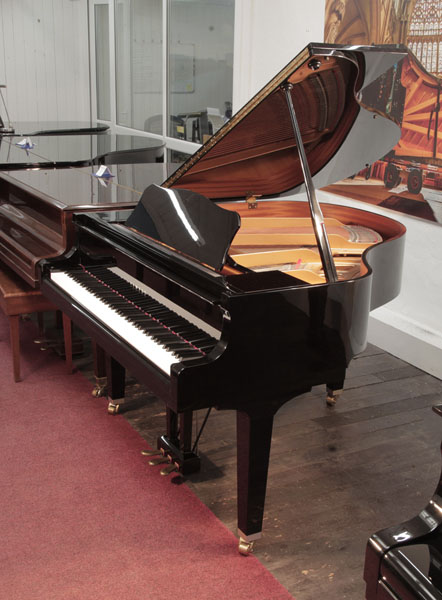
150	316
187	353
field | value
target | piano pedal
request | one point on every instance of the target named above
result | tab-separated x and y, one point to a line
151	452
100	387
158	461
169	469
332	396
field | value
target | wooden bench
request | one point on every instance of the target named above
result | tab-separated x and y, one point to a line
18	298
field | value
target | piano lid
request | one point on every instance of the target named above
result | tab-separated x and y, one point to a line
56	128
62	151
187	222
255	152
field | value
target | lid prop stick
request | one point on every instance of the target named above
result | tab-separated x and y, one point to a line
315	210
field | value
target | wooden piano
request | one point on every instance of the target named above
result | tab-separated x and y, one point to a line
404	562
37	205
221	289
36	208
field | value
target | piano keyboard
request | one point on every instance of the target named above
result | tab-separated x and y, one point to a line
156	327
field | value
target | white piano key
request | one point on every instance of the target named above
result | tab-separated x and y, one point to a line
215	333
140	340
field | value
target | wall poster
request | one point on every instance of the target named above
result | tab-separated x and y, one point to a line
409	178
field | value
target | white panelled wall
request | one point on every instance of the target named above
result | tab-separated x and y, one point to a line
268	34
44	59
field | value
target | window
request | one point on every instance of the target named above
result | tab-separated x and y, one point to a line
138	63
425	34
164	57
200	67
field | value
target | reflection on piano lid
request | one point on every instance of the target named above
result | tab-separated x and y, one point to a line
187	222
61	151
77	188
36	207
255	152
22	128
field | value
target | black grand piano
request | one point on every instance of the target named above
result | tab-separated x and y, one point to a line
404	562
222	289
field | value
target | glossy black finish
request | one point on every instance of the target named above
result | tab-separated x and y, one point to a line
279	335
62	151
186	222
254	439
256	151
22	128
405	561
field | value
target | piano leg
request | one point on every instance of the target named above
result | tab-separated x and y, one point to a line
116	387
67	334
254	436
99	370
116	379
185	432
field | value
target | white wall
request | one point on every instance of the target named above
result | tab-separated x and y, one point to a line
267	36
44	59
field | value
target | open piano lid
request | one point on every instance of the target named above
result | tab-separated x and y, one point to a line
255	152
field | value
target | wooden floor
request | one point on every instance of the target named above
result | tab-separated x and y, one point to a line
336	475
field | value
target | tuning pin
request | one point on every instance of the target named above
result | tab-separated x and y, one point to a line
169	469
150	452
158	461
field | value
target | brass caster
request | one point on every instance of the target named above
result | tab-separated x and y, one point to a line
332	396
113	409
245	547
169	469
100	387
158	461
98	392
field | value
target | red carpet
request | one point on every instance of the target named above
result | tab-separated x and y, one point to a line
82	516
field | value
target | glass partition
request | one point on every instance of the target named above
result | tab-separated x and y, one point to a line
102	61
138	64
200	67
165	67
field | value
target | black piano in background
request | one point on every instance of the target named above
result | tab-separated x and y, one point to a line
31	128
218	291
61	151
404	562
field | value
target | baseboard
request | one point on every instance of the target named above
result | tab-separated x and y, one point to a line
407	339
